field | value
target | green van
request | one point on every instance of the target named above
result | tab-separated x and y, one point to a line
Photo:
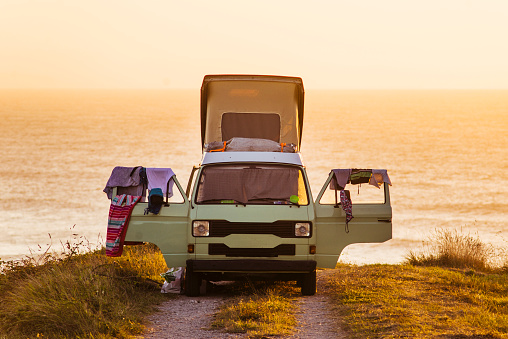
248	208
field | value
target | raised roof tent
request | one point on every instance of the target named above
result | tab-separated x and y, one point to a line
252	106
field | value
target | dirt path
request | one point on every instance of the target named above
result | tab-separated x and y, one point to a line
185	317
315	315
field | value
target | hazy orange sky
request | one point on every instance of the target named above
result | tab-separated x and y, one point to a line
394	44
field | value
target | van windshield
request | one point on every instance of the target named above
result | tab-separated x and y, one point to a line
252	184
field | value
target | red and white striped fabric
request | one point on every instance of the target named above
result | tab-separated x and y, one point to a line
118	221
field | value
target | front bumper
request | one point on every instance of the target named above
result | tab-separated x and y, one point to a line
252	266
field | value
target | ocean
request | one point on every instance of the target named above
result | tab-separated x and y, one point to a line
446	152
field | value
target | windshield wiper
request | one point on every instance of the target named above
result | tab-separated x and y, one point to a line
222	202
276	201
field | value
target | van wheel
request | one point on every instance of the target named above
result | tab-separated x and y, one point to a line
192	283
308	283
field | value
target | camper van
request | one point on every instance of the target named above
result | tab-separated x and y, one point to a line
248	210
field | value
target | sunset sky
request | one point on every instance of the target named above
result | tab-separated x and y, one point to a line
371	44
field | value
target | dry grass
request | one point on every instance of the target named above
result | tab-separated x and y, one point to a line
80	295
396	301
456	287
451	248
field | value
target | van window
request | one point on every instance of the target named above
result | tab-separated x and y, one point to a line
251	125
360	194
252	184
177	197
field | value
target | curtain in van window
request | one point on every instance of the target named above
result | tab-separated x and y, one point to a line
247	184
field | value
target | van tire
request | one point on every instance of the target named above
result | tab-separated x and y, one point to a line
308	283
192	283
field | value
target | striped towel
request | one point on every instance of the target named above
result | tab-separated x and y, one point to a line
118	221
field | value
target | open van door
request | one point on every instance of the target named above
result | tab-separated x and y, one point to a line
168	229
371	220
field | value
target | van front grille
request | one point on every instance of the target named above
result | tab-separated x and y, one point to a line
281	228
223	249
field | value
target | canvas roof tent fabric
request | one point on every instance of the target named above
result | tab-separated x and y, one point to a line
252	106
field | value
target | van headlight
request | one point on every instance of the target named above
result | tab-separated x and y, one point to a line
200	228
302	229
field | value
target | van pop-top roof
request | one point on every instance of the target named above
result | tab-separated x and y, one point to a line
252	106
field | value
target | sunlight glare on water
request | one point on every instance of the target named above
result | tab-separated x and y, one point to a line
446	153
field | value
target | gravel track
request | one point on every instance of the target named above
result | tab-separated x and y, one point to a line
314	314
185	317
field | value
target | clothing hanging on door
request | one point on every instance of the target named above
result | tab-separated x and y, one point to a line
118	221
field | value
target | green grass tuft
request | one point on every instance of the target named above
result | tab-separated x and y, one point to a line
267	310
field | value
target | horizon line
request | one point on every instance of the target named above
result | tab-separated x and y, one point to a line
198	88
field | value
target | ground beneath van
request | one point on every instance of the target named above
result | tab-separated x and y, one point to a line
185	317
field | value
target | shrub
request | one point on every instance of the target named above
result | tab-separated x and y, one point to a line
450	248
